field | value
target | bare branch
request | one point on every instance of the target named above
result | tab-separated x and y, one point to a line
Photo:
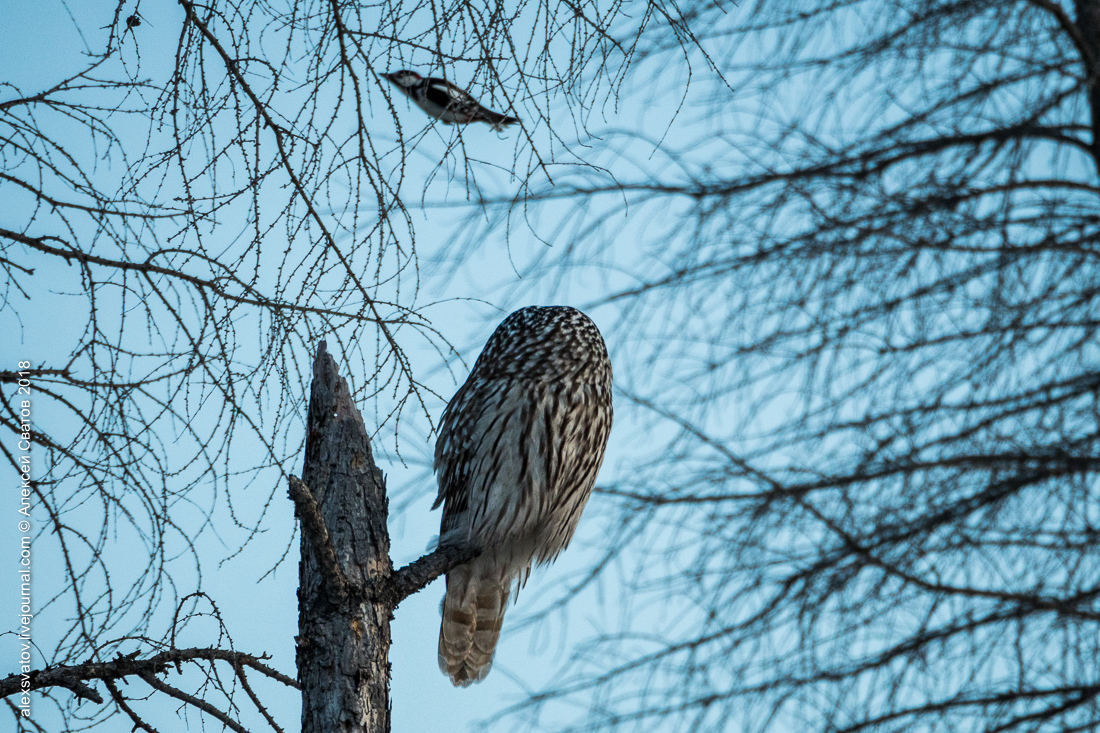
418	574
195	702
70	676
313	527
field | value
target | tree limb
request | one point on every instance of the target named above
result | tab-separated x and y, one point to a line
313	527
417	574
74	676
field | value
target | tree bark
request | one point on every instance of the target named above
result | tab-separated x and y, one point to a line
343	638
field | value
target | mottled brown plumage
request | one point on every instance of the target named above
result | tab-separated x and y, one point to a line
519	448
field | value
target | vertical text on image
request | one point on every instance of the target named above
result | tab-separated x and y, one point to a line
23	567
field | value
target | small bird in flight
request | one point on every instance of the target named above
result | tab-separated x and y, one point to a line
445	101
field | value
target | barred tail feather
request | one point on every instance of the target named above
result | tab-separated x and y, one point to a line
473	611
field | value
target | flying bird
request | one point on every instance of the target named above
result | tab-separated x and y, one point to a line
445	101
519	447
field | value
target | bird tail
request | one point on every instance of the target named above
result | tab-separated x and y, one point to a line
496	120
473	611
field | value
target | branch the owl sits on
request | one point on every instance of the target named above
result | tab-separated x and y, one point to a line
519	447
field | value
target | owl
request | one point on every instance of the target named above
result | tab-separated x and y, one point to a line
519	447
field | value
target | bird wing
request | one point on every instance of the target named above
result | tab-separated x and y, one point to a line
446	94
452	454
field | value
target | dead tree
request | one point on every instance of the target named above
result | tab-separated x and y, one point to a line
348	588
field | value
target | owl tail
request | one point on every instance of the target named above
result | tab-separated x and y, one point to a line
473	611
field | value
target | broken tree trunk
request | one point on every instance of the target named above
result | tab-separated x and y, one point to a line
348	589
343	641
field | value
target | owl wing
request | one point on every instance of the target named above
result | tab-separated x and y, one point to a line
453	456
490	456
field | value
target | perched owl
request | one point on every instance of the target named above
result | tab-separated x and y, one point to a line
519	447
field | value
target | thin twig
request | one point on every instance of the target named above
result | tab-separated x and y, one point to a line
120	700
202	705
256	700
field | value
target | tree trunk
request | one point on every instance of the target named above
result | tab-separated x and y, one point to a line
343	640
